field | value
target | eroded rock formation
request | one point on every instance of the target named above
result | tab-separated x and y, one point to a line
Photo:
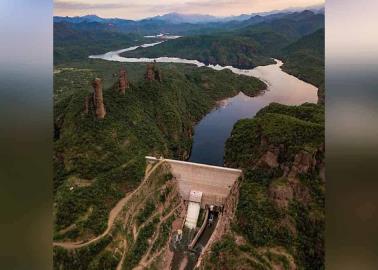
283	190
281	194
98	99
304	162
153	73
123	82
270	158
86	105
150	73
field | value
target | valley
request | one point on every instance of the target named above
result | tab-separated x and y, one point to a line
174	98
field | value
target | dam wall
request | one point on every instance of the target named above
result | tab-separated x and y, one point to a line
214	182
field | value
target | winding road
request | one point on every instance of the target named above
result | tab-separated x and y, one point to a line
112	215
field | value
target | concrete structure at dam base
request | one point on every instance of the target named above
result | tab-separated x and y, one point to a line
212	188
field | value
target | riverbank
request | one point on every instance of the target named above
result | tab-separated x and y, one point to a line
152	118
108	155
212	131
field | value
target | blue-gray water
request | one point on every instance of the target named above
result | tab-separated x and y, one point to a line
213	130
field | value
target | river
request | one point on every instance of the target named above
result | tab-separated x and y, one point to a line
211	133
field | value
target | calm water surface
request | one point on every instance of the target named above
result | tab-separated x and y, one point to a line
213	130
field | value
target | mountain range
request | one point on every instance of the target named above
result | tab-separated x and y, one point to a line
254	42
244	44
178	18
275	215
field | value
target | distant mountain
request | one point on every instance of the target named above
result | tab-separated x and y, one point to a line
79	19
181	18
75	43
243	46
319	10
90	19
186	18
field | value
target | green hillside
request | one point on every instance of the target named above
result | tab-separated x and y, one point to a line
97	161
244	47
221	49
280	215
72	44
305	58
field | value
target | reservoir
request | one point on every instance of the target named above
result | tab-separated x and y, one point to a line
211	133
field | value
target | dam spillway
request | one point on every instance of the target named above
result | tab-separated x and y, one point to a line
212	188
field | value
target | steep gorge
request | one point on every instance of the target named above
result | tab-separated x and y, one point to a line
279	220
99	160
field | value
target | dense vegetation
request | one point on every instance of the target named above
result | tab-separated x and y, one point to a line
97	161
281	206
74	44
280	214
209	49
92	257
243	47
176	25
305	60
227	254
129	237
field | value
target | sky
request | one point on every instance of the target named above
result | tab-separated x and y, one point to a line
138	9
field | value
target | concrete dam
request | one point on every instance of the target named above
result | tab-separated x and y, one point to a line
213	182
209	195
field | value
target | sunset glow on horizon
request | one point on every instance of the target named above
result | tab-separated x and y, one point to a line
131	9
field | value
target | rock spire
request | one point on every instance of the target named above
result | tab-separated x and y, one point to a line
153	73
123	82
98	99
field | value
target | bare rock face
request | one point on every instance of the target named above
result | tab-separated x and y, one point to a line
86	105
281	195
98	99
283	191
150	72
270	158
301	192
123	82
303	163
153	73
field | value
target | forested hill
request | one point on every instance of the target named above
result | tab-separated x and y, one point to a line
73	44
245	44
305	58
77	37
103	159
244	47
280	217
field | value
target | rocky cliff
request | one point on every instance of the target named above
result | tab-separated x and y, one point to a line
86	105
123	82
281	202
97	162
153	73
98	99
150	72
